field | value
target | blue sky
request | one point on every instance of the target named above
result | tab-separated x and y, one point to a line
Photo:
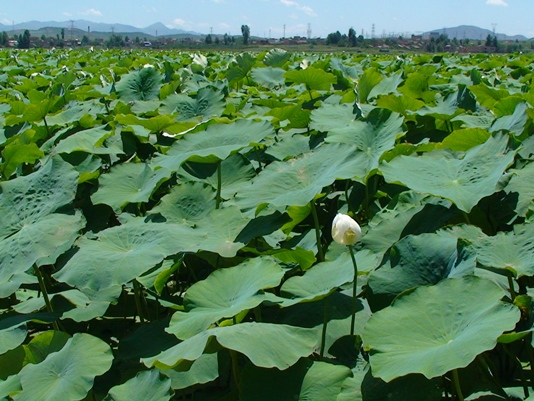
264	16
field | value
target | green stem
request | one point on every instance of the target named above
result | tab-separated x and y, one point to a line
516	360
347	195
235	367
137	296
511	285
219	185
46	126
325	324
42	286
457	387
320	252
257	314
354	286
528	343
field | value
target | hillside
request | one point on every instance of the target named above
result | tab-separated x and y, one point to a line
473	32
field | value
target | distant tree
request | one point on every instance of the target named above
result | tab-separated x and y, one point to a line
226	39
62	33
489	41
217	40
24	40
4	39
85	40
245	31
352	37
115	41
208	39
333	38
494	42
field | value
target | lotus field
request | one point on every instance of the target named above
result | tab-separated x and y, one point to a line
266	226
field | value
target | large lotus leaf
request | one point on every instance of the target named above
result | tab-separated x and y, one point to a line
204	370
370	78
68	374
146	386
464	139
508	250
16	154
334	119
75	113
26	199
374	136
44	344
386	86
128	183
9	387
399	104
319	281
224	294
220	229
266	345
120	254
463	180
90	141
514	123
436	329
206	104
296	182
12	337
313	78
216	143
418	260
269	77
140	85
522	184
38	243
189	202
305	381
276	57
236	172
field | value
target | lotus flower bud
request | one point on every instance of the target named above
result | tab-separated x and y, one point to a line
345	230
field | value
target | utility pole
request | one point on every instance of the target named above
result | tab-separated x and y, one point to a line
71	30
309	31
494	26
284	31
373	31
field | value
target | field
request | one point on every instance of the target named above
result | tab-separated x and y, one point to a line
166	226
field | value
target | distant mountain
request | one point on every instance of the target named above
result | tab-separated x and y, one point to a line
84	25
473	32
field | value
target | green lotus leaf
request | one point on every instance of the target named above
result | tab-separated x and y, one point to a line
144	84
92	141
461	318
462	140
289	147
17	154
463	179
12	337
313	78
297	181
119	254
207	103
374	136
370	78
221	228
319	281
508	250
189	202
399	104
75	113
266	345
146	386
401	389
415	261
276	57
45	344
269	77
236	171
68	374
216	143
128	183
335	119
240	68
387	85
306	380
522	184
514	123
204	370
224	294
30	232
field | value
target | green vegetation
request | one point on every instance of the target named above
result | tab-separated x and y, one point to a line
166	229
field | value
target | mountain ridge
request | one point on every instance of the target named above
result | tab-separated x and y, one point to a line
473	32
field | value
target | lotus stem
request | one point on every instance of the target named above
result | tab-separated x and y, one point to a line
43	289
354	287
219	185
456	382
325	324
511	285
137	295
320	252
235	367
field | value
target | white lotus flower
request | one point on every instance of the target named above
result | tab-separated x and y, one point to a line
345	231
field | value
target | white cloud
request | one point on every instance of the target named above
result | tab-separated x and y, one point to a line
502	3
305	9
92	12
